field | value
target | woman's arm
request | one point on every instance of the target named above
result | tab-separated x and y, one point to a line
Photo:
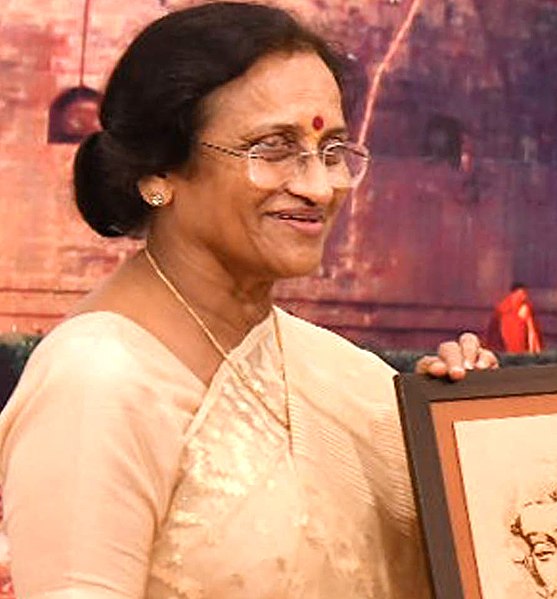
89	462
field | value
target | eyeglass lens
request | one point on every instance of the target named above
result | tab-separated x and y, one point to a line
272	167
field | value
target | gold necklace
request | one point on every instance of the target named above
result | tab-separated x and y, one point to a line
245	380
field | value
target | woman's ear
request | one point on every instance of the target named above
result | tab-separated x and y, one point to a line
156	190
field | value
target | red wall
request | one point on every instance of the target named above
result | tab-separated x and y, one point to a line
429	247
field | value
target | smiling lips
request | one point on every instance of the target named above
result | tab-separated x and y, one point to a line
300	214
309	221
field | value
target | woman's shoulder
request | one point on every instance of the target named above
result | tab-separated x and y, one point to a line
90	345
350	393
329	348
346	381
88	329
90	378
108	340
93	327
108	356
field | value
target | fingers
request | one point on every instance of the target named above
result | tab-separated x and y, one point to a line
487	360
474	355
432	365
454	358
452	354
469	346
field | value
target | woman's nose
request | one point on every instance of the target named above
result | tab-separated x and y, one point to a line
312	180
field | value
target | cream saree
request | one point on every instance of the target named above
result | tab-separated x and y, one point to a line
151	485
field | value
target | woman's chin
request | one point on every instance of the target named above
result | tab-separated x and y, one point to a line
292	269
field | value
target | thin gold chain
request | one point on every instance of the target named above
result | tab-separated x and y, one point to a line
223	353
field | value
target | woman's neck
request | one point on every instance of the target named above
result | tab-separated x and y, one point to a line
230	307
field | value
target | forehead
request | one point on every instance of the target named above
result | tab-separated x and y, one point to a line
539	517
279	88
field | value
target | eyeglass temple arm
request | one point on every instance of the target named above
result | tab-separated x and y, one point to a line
224	150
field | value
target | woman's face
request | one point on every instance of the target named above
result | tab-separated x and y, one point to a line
263	233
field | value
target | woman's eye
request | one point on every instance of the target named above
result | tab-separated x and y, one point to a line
276	141
275	148
334	140
333	154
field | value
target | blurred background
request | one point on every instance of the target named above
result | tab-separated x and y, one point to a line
461	199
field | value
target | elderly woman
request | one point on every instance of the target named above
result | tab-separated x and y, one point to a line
180	437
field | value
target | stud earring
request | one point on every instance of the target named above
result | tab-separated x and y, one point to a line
156	199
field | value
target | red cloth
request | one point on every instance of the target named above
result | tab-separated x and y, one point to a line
6	586
513	327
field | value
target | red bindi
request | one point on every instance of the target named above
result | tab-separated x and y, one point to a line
318	122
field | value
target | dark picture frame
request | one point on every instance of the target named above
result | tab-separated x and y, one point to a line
444	423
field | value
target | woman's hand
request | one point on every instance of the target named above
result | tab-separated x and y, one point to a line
454	358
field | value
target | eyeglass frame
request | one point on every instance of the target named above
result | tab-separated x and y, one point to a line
302	154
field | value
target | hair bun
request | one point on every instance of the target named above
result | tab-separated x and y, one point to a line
109	208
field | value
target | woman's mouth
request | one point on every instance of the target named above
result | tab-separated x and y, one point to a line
309	222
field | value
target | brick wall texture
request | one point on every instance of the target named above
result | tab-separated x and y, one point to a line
431	241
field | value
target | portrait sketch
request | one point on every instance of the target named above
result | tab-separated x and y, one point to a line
483	457
509	474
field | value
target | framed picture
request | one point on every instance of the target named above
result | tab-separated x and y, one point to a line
483	459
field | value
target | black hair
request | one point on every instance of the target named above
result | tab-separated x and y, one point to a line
152	105
517	285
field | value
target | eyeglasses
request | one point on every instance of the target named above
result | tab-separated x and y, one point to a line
270	166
